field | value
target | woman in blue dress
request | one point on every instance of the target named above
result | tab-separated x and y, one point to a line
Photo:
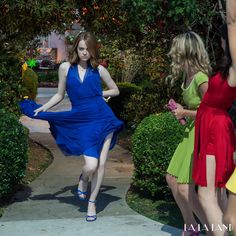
90	127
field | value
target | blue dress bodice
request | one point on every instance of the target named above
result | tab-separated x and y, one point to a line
90	87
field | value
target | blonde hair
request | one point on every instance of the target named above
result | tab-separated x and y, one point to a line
188	49
91	43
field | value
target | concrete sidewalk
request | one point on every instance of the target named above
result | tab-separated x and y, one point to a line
49	205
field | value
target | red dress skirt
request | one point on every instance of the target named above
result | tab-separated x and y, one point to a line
214	132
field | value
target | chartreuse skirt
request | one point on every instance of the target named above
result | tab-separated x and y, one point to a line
181	163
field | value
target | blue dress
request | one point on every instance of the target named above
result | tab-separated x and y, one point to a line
83	129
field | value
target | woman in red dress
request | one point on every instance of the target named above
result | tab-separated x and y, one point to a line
214	132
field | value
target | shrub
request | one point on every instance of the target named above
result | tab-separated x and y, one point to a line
140	105
156	65
13	152
117	103
151	99
153	145
47	64
132	64
48	76
30	83
10	83
111	52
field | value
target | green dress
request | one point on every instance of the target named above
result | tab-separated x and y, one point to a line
181	163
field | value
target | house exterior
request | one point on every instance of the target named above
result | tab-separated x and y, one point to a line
54	47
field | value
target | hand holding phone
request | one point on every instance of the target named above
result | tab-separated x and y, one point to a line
172	105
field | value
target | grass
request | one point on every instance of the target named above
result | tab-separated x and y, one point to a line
163	211
39	159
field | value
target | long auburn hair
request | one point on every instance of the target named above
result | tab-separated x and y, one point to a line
188	48
225	62
91	43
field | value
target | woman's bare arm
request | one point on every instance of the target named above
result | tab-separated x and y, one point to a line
112	87
62	73
181	112
231	23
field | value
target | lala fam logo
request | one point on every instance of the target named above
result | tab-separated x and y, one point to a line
200	228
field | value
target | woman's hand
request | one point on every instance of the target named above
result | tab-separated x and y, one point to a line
231	25
38	110
178	112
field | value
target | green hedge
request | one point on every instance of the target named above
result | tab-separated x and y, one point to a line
117	103
13	152
149	100
48	76
153	144
30	83
10	82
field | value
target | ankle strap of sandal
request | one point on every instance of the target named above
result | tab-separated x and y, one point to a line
92	201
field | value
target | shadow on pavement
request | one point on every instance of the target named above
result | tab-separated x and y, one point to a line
103	199
171	231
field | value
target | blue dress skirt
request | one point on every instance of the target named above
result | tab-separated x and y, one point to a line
83	129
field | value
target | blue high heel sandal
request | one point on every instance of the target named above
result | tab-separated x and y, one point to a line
93	217
80	193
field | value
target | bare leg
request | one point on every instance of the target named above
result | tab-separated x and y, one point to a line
172	183
184	195
208	197
88	169
222	199
98	175
181	195
188	194
230	214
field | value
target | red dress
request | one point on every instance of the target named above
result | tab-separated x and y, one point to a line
214	132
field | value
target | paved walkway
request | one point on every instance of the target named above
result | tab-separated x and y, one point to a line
49	206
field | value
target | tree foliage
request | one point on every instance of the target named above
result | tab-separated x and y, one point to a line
139	21
20	22
138	24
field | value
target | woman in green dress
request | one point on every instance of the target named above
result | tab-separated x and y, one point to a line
190	59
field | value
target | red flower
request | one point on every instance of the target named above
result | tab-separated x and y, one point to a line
84	10
95	6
